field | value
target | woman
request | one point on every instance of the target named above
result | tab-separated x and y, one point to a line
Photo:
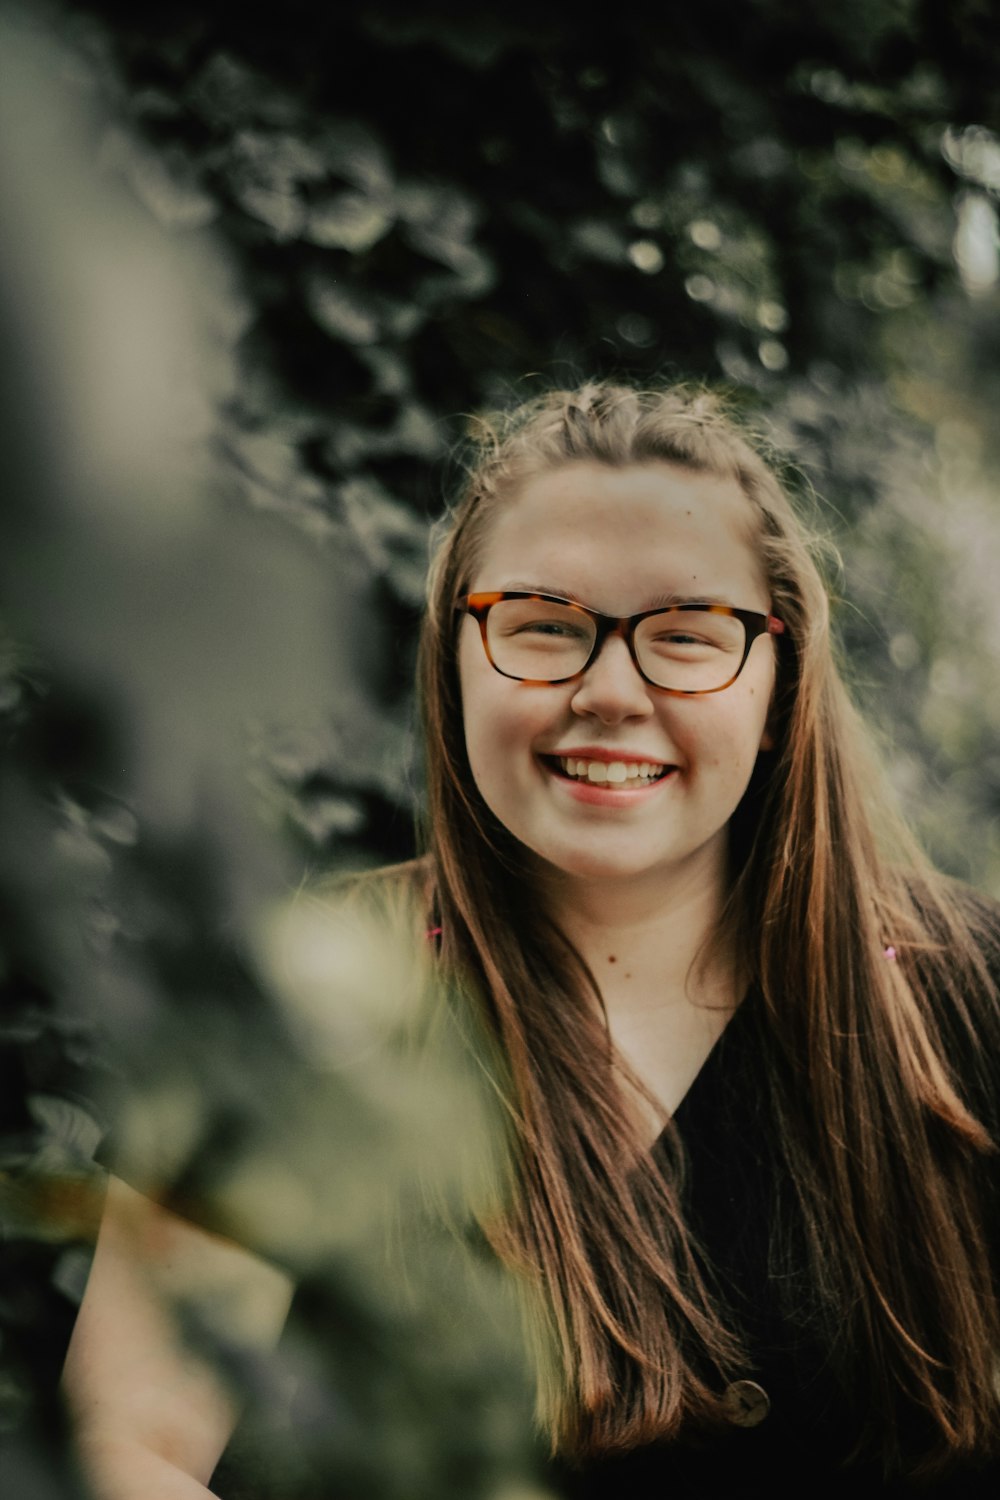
749	1034
743	1036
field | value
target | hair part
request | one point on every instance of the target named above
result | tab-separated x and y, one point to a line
874	1124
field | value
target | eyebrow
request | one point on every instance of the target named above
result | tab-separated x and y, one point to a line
658	601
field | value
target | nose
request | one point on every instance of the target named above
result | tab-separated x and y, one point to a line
612	688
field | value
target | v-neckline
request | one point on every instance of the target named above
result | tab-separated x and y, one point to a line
708	1067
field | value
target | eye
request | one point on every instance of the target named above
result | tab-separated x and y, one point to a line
681	638
541	627
551	628
677	638
691	634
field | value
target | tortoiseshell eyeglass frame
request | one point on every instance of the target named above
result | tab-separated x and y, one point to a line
753	621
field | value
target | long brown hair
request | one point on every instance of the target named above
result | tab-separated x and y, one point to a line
886	1138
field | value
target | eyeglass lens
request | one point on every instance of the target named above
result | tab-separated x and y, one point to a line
688	650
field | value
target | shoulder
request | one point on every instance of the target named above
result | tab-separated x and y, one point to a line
396	901
953	967
346	955
980	973
401	891
961	925
982	914
946	936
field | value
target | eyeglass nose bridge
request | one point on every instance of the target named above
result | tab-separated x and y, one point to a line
608	625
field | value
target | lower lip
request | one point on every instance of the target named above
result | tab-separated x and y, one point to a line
601	794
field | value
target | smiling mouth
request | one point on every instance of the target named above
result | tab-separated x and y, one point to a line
628	775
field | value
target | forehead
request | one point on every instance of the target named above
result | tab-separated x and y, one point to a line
620	538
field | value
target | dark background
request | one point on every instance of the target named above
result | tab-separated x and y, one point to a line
256	275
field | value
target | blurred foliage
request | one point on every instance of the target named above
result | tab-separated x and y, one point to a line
255	270
421	207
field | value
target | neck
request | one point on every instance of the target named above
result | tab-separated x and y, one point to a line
644	938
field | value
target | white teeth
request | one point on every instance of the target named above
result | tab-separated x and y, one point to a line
615	772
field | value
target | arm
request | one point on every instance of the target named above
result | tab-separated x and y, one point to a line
152	1418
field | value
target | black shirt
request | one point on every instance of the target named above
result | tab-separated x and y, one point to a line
736	1188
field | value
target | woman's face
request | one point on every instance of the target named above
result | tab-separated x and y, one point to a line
618	540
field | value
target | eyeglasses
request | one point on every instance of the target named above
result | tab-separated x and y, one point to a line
687	649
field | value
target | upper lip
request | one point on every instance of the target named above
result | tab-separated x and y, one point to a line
601	752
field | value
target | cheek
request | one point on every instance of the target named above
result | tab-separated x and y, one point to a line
759	703
499	734
487	719
731	739
480	744
497	711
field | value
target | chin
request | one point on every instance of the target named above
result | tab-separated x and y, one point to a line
579	865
